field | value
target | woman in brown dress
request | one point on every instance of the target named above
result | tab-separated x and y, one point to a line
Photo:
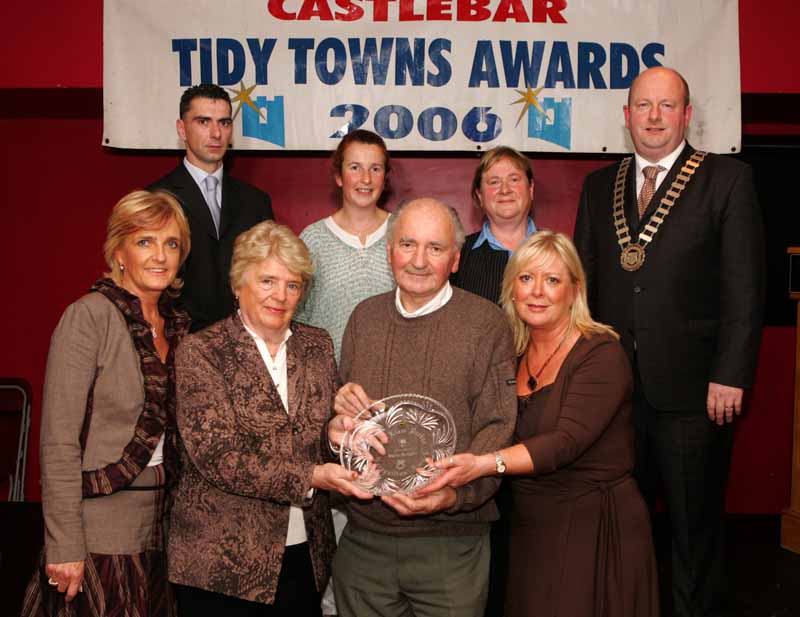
581	544
108	424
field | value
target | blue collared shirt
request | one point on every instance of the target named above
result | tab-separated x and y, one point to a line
486	235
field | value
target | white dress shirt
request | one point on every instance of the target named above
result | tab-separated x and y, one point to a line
200	175
296	534
667	162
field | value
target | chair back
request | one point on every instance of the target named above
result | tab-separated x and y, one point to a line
15	422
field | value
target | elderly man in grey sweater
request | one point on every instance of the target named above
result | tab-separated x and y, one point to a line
401	555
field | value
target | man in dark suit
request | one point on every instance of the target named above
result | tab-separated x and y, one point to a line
218	206
683	284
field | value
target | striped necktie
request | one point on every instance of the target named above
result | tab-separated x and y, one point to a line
649	187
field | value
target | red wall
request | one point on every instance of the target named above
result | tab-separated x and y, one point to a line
766	31
59	185
53	44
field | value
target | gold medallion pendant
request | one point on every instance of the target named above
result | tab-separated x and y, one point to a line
632	254
632	257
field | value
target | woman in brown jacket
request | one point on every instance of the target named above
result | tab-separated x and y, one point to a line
108	424
251	533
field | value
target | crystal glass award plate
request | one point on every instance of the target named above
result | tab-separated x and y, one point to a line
415	428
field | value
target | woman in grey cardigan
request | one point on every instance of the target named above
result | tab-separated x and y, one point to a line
108	424
349	247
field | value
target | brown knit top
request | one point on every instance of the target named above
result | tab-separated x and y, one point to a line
462	355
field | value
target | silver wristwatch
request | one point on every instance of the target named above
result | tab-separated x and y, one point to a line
500	464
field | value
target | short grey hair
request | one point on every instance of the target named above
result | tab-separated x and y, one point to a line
270	239
452	213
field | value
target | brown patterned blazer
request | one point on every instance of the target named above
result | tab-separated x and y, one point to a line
245	460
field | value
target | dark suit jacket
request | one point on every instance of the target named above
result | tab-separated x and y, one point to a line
695	307
245	460
206	292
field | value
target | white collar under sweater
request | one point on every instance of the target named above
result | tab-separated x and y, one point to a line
434	304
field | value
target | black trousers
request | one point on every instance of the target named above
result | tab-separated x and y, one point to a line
688	457
296	594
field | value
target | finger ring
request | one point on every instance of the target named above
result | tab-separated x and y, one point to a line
451	460
52	582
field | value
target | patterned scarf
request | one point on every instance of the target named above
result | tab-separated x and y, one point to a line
158	411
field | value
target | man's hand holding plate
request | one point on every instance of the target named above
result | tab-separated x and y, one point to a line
421	505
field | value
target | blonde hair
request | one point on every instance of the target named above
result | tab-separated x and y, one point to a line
269	239
144	210
542	246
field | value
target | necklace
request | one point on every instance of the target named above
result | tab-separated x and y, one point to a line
533	380
153	330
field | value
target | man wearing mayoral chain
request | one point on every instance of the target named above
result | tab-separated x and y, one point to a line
672	243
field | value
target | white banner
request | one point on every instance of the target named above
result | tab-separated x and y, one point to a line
463	75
